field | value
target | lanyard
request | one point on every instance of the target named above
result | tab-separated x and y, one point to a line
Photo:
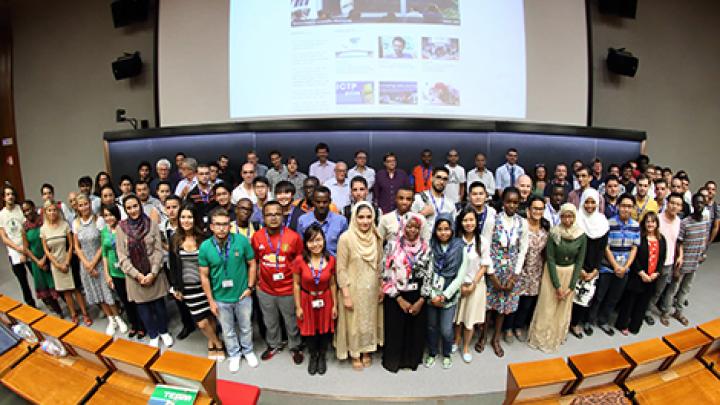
223	253
553	215
425	175
289	216
279	246
511	233
641	209
470	246
399	219
483	217
205	197
316	274
442	203
325	226
247	229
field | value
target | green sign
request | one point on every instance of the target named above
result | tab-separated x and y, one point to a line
170	395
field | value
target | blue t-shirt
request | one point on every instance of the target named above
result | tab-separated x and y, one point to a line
333	226
622	236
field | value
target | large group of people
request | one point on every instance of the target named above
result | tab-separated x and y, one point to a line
421	264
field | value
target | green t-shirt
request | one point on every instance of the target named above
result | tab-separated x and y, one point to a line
109	254
239	252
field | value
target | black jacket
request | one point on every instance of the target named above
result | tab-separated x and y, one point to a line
635	283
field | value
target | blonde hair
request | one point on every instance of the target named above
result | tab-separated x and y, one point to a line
54	204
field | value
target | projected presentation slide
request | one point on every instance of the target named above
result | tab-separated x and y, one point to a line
377	58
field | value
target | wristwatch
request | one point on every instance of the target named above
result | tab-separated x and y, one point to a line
251	288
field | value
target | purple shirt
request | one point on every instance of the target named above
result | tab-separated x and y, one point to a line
385	188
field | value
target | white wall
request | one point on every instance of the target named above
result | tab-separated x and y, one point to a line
65	95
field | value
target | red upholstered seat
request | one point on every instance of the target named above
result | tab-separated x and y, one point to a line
234	393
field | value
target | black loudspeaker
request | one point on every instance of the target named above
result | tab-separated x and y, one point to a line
126	12
127	66
620	8
622	62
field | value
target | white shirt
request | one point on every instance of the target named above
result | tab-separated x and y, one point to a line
441	205
184	182
323	172
240	192
486	177
474	260
11	221
455	178
339	193
368	174
503	178
489	225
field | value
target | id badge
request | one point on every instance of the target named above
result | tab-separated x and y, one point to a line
318	303
503	262
117	265
278	276
412	286
227	284
439	283
620	259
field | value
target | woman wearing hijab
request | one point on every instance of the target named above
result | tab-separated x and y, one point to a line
406	284
565	255
140	254
448	272
360	318
596	228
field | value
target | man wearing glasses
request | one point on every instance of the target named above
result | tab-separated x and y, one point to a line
432	202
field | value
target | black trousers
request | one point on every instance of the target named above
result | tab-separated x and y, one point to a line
608	292
20	272
580	315
521	318
318	344
185	315
130	307
404	334
633	305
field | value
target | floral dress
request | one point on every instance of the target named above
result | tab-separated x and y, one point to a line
533	269
505	257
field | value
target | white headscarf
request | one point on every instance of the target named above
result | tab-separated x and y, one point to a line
560	231
595	225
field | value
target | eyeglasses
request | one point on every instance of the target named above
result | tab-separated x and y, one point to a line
221	224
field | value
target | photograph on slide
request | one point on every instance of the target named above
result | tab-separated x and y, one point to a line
323	12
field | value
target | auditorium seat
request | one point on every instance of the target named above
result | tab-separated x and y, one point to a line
711	357
7	304
688	344
600	369
646	357
188	371
544	379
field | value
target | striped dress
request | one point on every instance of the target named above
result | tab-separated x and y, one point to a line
694	237
193	294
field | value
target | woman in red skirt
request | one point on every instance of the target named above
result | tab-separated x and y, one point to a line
315	293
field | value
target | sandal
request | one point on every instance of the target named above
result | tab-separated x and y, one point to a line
367	360
75	320
357	364
680	318
87	320
497	348
480	345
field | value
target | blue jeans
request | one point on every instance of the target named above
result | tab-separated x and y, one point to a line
440	324
154	317
232	314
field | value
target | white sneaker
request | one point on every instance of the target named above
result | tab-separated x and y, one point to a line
454	349
167	339
251	359
234	365
155	342
467	357
110	330
122	327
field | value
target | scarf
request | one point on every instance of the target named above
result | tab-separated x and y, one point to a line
594	224
404	253
28	225
560	231
136	230
367	244
446	263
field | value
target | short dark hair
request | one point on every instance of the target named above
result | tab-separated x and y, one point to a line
141	183
261	179
612	177
358	179
48	186
270	203
125	177
400	39
180	154
360	151
511	150
510	190
85	181
405	188
426	151
274	152
660	181
173	197
144	163
583	168
221	185
438	169
626	196
676	195
476	184
163	183
218	212
285	186
213	164
387	155
205	165
322	189
322	145
224	156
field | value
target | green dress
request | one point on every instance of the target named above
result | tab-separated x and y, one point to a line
44	284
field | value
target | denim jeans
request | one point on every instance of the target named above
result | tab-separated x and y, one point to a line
154	317
236	314
440	325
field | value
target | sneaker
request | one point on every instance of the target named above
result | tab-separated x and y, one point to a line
234	365
269	353
167	339
454	349
650	320
110	330
429	361
446	363
122	327
252	360
155	342
467	357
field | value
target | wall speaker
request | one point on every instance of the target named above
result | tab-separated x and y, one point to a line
620	8
622	62
126	12
126	66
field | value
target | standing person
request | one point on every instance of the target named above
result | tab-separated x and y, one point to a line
390	224
507	174
433	202
623	242
184	275
150	205
11	230
57	243
455	188
85	185
627	179
333	225
37	262
222	191
406	284
552	208
644	203
252	158
479	199
47	192
612	193
597	174
669	223
560	179
114	277
275	248
532	273
144	171
284	192
524	185
188	169
107	197
176	175
246	188
277	172
227	274
692	249
421	175
661	193
508	248
339	186
473	292
101	179
126	187
202	195
315	296
584	178
482	174
162	168
224	172
360	320
565	255
358	192
140	253
596	227
643	276
323	168
242	223
449	268
387	183
295	177
714	208
86	236
362	169
540	180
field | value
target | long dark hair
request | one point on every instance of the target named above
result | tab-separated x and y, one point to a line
98	187
310	233
181	234
643	230
460	231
